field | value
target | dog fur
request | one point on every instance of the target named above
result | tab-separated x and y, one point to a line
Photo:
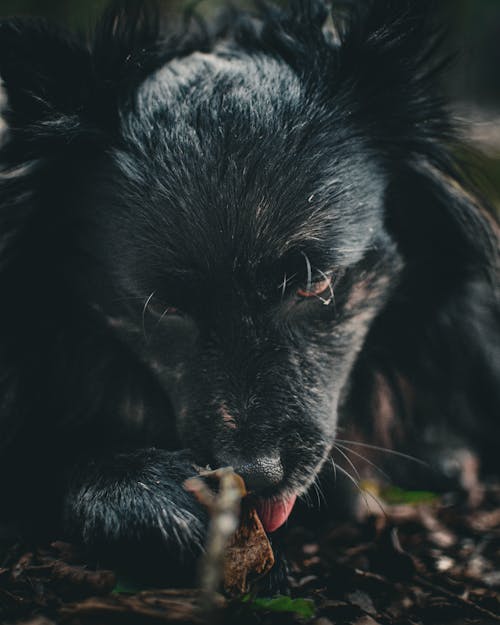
170	200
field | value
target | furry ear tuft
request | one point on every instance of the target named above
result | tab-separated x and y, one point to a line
126	40
45	73
392	48
57	86
381	53
295	34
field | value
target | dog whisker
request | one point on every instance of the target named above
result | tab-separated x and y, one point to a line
163	315
283	286
351	464
306	497
319	492
351	479
385	450
309	271
365	459
128	299
334	471
331	299
364	493
144	310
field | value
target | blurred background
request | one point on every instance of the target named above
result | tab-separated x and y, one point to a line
473	82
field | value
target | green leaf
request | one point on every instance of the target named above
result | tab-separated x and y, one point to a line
302	607
395	495
126	587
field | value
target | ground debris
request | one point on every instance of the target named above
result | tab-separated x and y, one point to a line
159	606
428	564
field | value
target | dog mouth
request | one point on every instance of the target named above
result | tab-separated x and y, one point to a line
274	508
273	513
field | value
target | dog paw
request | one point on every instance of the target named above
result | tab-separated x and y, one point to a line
132	510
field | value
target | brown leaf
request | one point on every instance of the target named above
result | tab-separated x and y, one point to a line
249	554
159	606
24	562
99	582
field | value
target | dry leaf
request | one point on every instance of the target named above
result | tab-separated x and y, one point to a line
159	606
249	555
237	553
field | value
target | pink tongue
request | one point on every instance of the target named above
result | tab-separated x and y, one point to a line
274	513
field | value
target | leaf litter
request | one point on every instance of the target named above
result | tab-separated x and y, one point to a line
433	561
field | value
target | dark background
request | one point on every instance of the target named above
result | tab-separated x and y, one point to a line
473	83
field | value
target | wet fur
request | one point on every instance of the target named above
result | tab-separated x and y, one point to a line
217	170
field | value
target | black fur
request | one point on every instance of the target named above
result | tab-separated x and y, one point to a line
164	199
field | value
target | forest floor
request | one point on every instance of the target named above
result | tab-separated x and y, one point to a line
421	562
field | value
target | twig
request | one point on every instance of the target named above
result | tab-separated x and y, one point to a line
466	602
224	510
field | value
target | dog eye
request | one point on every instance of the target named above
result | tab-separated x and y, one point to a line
162	310
321	288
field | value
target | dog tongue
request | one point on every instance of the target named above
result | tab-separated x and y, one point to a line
274	513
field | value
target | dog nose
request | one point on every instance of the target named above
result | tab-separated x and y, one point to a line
262	473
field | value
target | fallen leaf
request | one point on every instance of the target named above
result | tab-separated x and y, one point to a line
362	601
126	587
249	555
395	495
159	606
99	582
302	607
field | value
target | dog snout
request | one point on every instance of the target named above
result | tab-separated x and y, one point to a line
261	473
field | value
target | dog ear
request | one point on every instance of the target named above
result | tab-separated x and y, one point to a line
438	335
430	367
392	51
374	60
437	343
60	102
389	66
56	84
438	219
45	74
127	44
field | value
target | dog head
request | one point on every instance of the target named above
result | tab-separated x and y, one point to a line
244	207
256	261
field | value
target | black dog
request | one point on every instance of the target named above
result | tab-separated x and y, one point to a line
216	245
